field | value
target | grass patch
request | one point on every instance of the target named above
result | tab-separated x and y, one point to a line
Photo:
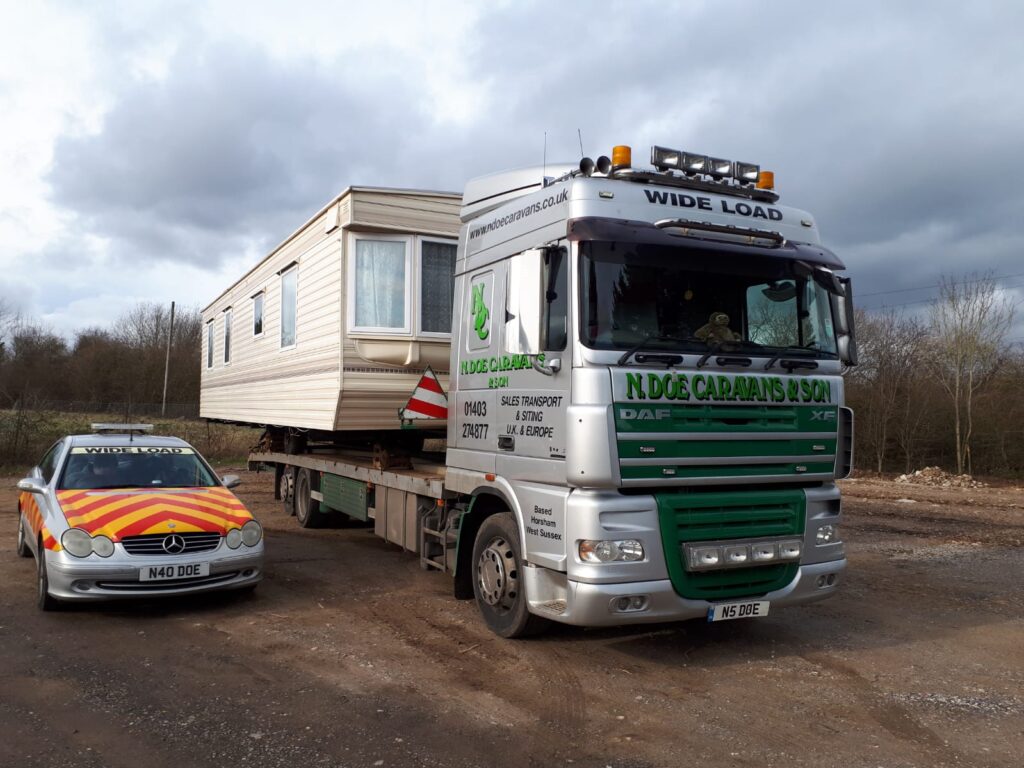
25	435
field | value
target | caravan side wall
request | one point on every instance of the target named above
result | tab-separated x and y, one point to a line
268	380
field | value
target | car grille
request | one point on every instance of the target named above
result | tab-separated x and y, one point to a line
153	543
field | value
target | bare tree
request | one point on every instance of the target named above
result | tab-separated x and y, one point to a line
891	348
969	323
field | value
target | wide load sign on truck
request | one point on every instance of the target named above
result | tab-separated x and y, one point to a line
644	405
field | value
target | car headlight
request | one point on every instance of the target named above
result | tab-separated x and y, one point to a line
252	532
102	546
234	538
76	542
627	550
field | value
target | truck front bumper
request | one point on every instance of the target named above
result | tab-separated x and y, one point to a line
591	605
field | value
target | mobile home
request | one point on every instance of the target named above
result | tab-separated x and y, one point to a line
334	327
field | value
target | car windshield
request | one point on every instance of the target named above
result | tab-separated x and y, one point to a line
689	300
132	466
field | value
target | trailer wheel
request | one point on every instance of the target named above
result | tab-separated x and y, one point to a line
307	509
497	579
286	490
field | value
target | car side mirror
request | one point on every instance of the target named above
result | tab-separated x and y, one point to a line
31	485
231	481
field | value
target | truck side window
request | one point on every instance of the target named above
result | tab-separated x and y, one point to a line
556	306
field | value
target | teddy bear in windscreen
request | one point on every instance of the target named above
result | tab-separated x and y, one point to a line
717	329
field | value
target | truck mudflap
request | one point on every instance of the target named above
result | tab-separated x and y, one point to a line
555	597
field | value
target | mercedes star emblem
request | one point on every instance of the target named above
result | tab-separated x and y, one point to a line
174	544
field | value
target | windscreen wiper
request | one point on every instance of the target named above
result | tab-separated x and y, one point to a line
781	352
668	359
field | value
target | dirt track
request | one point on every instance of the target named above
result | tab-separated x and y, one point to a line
350	655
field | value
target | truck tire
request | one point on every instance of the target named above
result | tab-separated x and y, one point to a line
22	547
497	583
44	600
307	509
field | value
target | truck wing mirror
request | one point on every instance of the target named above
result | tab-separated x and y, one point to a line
524	303
842	313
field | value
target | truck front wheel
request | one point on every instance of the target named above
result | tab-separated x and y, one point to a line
498	579
307	509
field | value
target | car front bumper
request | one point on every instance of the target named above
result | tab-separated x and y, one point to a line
118	576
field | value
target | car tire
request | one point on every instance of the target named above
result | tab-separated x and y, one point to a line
307	509
44	599
22	547
497	579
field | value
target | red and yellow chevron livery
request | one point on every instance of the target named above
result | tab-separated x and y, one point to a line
121	513
34	518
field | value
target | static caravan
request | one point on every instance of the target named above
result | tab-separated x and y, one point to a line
332	330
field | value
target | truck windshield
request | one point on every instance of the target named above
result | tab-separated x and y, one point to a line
688	300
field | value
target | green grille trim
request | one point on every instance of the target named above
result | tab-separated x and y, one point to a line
663	417
725	471
686	449
715	515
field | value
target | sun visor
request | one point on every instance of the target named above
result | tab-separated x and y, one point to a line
627	231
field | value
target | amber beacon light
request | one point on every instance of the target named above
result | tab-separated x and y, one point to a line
622	156
766	180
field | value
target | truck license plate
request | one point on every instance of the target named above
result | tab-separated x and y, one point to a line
175	571
749	609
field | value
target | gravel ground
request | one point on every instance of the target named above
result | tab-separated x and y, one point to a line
349	655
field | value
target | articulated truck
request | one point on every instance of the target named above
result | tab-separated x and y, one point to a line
642	403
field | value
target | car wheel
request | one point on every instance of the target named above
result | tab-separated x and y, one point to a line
44	599
307	509
22	546
498	579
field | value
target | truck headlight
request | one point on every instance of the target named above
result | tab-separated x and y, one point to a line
609	551
76	542
827	534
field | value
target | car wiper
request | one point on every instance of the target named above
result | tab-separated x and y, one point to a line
669	359
806	349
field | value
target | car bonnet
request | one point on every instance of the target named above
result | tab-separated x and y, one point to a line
120	513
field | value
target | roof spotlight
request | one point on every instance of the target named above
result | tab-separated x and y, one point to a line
586	166
719	168
604	164
665	159
691	163
745	173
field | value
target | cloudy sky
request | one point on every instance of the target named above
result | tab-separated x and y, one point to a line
154	151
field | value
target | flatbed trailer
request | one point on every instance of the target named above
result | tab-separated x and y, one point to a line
404	503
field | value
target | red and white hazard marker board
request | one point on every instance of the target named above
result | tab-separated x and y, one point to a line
428	400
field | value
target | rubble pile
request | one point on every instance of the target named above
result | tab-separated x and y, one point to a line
939	478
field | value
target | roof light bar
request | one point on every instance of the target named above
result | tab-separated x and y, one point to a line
690	163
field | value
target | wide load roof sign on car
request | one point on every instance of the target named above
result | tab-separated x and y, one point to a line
121	429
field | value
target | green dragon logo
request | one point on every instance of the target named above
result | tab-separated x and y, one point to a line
480	312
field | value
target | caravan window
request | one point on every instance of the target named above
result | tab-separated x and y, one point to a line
257	314
209	344
289	285
227	335
379	285
437	285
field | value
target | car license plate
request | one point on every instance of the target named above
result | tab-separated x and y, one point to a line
749	609
175	571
